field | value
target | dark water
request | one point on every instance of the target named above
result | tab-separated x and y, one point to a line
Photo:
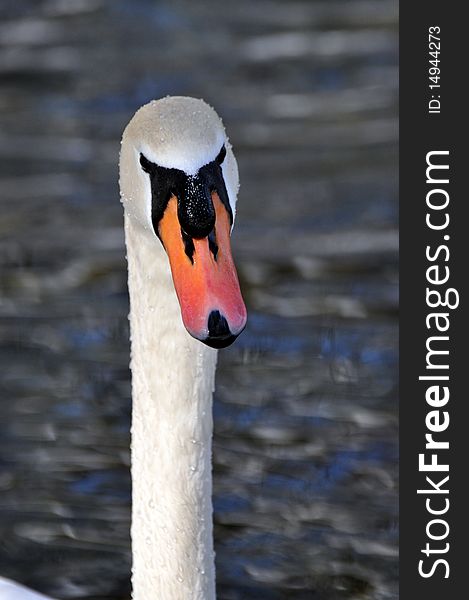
305	449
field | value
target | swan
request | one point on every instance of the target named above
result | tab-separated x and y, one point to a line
178	184
10	590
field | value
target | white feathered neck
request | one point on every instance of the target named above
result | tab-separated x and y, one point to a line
172	374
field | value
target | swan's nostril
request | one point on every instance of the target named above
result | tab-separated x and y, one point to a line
219	334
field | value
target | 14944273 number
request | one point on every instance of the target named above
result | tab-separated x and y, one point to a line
434	57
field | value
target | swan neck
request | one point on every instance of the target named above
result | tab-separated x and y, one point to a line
172	385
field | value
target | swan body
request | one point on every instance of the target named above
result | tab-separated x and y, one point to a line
179	183
10	590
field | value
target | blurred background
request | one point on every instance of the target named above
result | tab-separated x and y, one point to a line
305	448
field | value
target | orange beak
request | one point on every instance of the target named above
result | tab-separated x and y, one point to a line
205	278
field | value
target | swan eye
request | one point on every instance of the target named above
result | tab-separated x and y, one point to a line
221	155
147	166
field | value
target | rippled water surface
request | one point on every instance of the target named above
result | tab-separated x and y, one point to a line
305	448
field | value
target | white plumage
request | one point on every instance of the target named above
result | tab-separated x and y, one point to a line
9	590
172	373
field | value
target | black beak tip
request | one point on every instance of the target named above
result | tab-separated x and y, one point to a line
219	334
219	343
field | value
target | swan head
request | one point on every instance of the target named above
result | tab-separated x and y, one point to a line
179	181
